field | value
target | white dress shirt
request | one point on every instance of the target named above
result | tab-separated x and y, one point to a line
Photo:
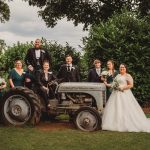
37	53
98	71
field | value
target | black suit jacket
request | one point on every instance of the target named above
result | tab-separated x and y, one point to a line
30	58
93	76
69	76
41	80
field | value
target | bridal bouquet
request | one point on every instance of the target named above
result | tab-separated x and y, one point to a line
115	85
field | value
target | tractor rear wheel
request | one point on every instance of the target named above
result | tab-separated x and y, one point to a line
20	106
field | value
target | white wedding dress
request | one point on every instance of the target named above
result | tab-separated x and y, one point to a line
122	112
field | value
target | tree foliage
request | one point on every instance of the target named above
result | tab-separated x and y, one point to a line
126	39
2	45
4	11
58	53
88	12
17	51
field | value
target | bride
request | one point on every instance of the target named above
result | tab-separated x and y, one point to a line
122	112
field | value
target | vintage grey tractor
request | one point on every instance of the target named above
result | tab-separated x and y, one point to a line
82	101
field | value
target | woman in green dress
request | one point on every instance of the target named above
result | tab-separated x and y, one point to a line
111	74
17	75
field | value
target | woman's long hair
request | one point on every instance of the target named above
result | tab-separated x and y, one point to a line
111	61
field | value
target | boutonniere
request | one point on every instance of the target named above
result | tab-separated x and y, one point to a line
73	68
23	72
42	51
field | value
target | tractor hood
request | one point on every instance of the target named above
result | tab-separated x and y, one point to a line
81	86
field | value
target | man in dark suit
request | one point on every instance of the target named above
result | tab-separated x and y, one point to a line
94	74
36	56
69	72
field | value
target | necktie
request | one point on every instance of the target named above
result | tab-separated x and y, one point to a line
68	68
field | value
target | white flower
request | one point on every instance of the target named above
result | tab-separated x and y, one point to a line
2	81
115	84
105	73
42	51
73	68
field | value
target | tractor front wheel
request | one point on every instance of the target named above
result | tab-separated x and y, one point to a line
87	119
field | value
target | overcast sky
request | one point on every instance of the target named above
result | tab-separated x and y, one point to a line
25	25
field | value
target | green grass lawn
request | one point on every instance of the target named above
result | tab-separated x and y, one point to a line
28	138
33	139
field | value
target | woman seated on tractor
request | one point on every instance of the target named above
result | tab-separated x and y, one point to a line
43	80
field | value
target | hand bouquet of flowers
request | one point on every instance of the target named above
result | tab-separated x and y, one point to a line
104	74
2	81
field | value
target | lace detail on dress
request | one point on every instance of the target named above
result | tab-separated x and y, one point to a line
129	78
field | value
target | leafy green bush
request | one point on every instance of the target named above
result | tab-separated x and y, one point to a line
57	51
125	38
17	51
